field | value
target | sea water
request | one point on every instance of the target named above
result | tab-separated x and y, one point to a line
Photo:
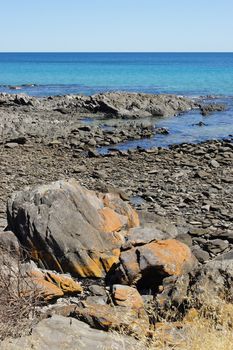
189	74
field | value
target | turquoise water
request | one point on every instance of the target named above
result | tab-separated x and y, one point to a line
61	73
190	74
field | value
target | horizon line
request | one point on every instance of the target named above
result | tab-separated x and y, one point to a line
116	52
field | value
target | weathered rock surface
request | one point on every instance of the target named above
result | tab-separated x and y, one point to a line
146	265
71	229
46	119
132	104
214	280
9	242
60	333
107	317
127	296
48	284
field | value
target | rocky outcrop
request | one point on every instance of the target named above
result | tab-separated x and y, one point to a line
133	104
207	109
70	229
59	119
59	333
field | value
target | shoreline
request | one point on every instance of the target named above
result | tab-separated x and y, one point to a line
174	205
43	136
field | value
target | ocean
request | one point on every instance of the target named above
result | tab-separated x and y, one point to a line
88	73
189	74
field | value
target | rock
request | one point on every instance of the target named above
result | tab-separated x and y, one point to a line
185	238
93	153
106	317
200	254
158	222
23	100
97	290
127	297
212	107
131	105
146	265
9	242
70	229
174	293
59	333
50	285
170	257
11	145
214	163
216	246
142	235
214	280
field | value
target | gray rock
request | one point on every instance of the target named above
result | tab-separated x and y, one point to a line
214	280
69	228
9	242
60	333
200	254
216	246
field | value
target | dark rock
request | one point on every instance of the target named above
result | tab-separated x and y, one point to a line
210	108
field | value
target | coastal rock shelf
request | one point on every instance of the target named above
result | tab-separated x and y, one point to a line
102	244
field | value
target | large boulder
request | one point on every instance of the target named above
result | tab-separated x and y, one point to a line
148	264
70	229
214	280
59	333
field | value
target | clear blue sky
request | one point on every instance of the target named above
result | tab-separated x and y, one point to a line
116	25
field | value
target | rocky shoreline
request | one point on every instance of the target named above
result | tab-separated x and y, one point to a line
129	228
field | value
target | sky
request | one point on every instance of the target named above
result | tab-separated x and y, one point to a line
116	25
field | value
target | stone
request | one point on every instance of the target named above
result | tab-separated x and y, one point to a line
214	163
142	235
9	242
11	145
200	254
212	107
95	289
174	291
170	257
127	297
106	317
59	333
70	229
214	280
50	285
216	246
135	105
147	264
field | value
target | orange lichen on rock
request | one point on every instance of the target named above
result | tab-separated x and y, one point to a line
127	296
65	283
113	201
170	256
50	285
111	220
